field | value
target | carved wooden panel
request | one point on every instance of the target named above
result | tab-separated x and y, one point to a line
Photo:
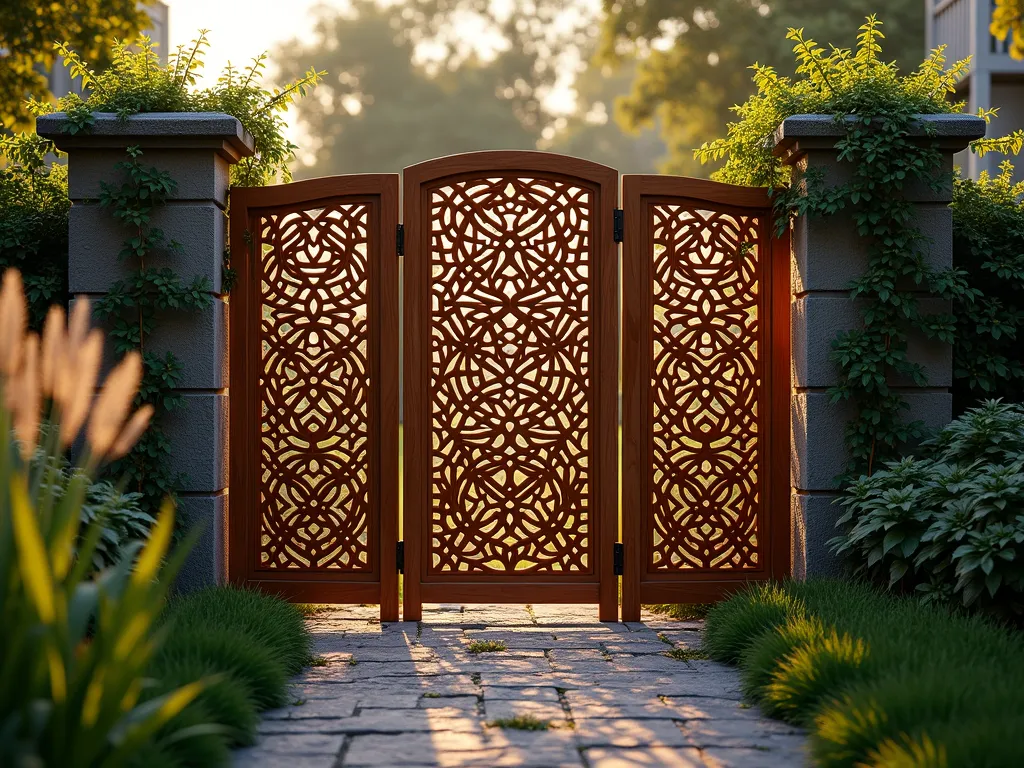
314	390
705	387
510	380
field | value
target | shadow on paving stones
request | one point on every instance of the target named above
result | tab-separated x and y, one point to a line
412	694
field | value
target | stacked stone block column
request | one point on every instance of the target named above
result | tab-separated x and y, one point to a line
827	256
196	149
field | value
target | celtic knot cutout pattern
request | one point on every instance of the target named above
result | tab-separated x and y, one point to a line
704	390
314	386
510	379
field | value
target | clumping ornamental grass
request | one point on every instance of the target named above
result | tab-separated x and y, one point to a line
156	755
228	699
244	645
76	646
271	622
732	625
761	657
808	675
878	679
230	651
207	744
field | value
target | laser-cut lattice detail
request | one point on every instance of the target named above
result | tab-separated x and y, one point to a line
314	381
510	379
704	390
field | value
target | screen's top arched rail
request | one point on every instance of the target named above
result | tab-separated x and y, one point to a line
505	160
699	190
309	192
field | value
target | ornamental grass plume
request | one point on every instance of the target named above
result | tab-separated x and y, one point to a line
13	320
63	369
77	644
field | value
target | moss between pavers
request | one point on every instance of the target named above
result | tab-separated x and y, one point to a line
521	723
687	654
487	646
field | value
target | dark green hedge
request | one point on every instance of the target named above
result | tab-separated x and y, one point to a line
988	245
34	209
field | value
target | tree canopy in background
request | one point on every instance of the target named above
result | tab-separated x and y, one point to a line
692	56
409	81
426	78
413	80
591	131
28	30
378	111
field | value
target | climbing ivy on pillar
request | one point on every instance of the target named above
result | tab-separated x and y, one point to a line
135	305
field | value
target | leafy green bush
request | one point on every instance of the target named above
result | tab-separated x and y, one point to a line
988	245
829	82
136	82
882	680
120	518
949	524
34	209
116	513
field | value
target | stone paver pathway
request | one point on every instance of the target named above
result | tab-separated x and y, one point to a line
413	695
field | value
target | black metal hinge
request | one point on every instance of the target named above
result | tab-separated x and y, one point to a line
618	558
618	225
400	556
400	239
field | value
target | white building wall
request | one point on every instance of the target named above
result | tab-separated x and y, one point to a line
996	79
158	29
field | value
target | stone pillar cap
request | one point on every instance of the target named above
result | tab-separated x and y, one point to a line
799	133
165	130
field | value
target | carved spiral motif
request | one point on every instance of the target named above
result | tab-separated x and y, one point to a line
510	380
313	388
704	390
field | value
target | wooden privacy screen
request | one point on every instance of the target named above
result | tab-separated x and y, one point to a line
510	381
511	303
706	367
314	390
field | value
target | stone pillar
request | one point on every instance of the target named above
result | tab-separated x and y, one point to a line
827	256
197	150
